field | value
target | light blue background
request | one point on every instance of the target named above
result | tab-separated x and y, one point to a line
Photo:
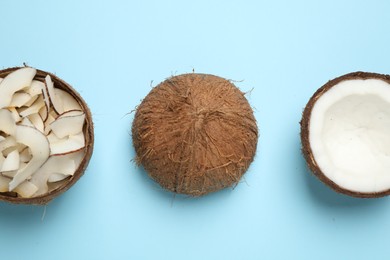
110	51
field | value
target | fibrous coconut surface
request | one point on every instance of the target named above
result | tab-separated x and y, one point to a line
195	134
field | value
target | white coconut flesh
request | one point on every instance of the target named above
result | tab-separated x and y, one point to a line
349	135
41	134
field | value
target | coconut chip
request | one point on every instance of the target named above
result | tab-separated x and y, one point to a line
19	99
66	125
14	82
11	163
4	181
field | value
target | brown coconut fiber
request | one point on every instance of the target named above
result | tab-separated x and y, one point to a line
195	134
64	185
305	122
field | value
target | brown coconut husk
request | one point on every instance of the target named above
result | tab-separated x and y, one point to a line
305	122
195	134
60	187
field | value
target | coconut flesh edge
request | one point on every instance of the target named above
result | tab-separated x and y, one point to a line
349	134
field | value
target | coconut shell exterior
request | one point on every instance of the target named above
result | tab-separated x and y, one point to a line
195	134
305	122
89	143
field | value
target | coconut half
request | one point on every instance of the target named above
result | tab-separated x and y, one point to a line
195	134
345	133
46	136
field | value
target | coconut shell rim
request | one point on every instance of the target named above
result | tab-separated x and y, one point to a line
89	143
304	134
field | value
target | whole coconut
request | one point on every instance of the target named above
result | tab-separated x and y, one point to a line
195	134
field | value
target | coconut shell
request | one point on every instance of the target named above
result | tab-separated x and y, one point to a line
89	143
305	122
195	134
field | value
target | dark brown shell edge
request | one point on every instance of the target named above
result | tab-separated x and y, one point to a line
305	122
89	143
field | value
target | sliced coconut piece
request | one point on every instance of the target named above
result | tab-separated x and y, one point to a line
46	97
55	101
50	119
4	182
9	150
15	114
36	120
62	164
1	79
53	138
14	82
56	177
2	138
26	121
11	163
53	113
2	159
71	113
7	122
43	113
26	189
31	101
40	150
34	108
19	99
25	155
11	174
36	88
68	125
66	145
65	166
67	100
77	157
9	141
18	147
